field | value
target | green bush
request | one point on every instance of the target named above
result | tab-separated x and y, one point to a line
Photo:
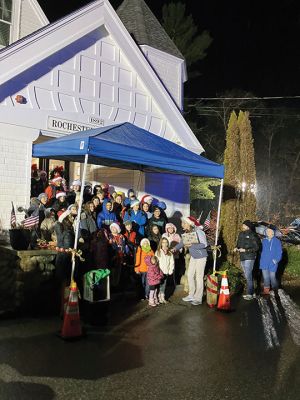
235	276
291	261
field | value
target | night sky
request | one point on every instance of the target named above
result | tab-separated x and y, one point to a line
256	50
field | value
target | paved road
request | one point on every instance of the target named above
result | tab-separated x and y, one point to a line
176	351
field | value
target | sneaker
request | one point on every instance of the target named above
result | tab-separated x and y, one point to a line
188	298
248	297
196	303
152	303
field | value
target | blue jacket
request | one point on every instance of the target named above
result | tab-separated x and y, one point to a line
271	254
105	218
139	218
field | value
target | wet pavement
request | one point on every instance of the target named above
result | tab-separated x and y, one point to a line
174	351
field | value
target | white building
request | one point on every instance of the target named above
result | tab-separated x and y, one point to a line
88	69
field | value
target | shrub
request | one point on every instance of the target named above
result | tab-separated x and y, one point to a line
291	261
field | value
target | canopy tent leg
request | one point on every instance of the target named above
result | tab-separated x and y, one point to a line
217	225
79	213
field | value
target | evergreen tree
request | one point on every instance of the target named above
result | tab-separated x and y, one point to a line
230	207
184	33
247	203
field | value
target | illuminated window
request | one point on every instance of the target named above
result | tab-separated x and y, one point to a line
5	21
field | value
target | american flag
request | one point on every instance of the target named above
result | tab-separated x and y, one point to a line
13	219
31	222
206	224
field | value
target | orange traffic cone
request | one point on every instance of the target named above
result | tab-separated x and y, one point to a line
71	328
224	296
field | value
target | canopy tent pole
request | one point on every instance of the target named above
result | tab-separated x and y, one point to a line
218	223
77	224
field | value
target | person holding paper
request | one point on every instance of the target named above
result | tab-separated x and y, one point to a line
198	258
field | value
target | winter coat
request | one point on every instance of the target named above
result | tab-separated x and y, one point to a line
271	254
87	222
173	238
166	262
160	222
47	229
139	220
249	241
140	263
105	218
154	274
154	240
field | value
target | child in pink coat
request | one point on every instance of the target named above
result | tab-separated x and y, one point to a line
154	277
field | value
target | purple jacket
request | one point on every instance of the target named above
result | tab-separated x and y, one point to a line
154	274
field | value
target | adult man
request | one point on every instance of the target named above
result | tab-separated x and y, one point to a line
248	246
198	259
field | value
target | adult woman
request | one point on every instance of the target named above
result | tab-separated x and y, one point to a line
87	218
198	259
137	217
270	256
118	207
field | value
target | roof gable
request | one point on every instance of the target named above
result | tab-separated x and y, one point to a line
86	28
142	24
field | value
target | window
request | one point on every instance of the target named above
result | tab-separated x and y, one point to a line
5	21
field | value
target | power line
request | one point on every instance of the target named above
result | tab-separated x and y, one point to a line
245	98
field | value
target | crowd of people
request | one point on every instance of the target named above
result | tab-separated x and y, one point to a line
134	239
131	237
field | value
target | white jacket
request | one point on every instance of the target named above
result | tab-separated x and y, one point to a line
166	262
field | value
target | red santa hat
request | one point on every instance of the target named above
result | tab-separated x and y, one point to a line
147	199
191	221
56	179
60	194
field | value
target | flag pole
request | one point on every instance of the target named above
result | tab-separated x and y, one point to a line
79	213
217	225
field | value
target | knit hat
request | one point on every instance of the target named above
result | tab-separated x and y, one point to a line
161	205
190	220
115	225
145	242
77	182
147	199
134	203
60	194
41	195
64	215
248	223
71	206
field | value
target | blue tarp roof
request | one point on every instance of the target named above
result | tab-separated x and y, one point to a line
128	146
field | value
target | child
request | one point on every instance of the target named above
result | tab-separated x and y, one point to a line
171	235
117	243
166	264
154	236
141	267
174	238
154	277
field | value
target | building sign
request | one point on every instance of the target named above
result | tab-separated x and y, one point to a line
64	125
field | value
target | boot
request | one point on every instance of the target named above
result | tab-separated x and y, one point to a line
151	299
162	299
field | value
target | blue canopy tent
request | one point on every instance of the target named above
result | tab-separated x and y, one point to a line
128	146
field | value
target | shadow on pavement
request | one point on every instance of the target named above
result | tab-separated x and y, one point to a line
25	391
